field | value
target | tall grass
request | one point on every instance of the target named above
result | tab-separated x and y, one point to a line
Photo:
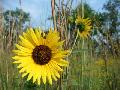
88	69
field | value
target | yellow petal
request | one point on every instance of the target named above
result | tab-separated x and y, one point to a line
28	36
49	74
35	77
37	72
61	54
34	36
24	74
38	33
22	70
57	74
26	43
55	37
39	80
44	74
54	77
52	72
16	62
62	62
55	66
39	37
21	53
29	76
24	49
55	71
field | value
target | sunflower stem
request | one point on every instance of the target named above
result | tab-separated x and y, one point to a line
82	63
74	42
45	87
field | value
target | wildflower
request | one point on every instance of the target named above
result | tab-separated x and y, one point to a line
100	62
84	26
40	55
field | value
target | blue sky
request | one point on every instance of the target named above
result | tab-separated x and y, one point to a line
40	10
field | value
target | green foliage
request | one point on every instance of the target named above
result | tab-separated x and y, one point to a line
112	15
17	15
88	12
106	27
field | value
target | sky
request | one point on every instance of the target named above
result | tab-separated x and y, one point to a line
40	10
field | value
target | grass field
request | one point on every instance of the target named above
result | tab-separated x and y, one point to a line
87	71
94	63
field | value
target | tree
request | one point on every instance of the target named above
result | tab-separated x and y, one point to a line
112	15
18	16
14	21
112	19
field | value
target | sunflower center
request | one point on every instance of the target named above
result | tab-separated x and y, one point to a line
81	27
41	54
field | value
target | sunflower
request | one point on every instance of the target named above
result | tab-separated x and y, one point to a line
84	26
39	56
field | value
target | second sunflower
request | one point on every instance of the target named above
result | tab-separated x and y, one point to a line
84	26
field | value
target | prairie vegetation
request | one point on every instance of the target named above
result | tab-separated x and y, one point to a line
94	63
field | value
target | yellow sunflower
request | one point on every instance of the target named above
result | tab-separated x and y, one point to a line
84	26
40	56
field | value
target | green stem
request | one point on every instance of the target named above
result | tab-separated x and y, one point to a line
45	87
74	42
82	63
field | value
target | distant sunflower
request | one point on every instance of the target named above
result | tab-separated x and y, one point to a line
84	26
40	55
